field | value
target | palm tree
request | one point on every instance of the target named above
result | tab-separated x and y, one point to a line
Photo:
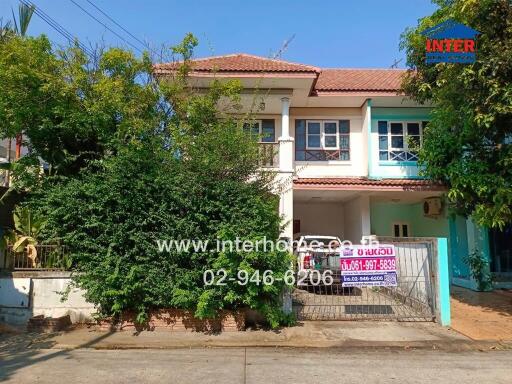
25	13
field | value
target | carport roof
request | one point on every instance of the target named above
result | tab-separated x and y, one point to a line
366	184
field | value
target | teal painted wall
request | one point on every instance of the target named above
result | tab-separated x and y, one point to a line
459	248
383	214
392	169
443	283
467	237
426	226
397	113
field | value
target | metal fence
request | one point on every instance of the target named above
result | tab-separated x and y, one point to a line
269	154
46	257
413	299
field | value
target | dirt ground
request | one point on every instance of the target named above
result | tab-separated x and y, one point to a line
482	315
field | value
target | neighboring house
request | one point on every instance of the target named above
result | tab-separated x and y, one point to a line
6	157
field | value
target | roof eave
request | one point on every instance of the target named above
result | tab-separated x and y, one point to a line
363	92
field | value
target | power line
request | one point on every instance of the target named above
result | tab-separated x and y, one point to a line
55	25
58	27
111	30
48	20
119	25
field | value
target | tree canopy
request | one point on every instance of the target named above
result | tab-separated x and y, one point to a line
135	159
468	142
72	108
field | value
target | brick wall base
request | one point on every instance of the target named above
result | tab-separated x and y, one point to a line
48	324
178	320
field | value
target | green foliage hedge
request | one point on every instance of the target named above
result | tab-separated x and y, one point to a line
112	218
132	158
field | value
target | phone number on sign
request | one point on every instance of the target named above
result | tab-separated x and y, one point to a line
243	277
380	264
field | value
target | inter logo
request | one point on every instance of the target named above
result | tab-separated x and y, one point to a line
450	42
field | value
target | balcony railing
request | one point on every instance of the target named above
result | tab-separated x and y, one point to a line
269	154
321	155
47	257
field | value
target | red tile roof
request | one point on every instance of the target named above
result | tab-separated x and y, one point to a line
328	80
387	80
240	62
362	183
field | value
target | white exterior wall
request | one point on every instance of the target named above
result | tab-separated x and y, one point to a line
356	166
325	219
357	218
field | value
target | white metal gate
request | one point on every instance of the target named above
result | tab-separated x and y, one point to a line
413	299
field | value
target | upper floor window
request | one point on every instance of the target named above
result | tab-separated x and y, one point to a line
264	130
398	140
322	140
328	134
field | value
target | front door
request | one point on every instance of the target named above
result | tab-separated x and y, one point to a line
501	250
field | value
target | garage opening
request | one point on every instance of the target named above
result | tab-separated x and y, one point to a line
412	299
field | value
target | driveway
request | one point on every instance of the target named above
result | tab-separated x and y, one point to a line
482	315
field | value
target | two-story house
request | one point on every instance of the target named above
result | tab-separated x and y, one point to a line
345	141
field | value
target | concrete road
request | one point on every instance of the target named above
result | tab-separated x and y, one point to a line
254	365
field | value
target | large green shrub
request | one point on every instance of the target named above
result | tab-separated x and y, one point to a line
134	159
111	219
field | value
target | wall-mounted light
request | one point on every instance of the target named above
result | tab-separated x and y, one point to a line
262	106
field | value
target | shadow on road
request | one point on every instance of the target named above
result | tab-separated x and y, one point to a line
25	349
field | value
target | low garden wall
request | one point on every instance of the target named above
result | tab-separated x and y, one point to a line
27	294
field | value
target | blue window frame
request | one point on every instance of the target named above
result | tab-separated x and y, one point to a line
263	130
399	140
322	140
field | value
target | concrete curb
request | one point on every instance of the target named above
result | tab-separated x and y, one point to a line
445	346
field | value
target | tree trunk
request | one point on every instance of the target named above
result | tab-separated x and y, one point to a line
19	139
7	180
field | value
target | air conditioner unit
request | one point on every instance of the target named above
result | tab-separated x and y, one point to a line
432	207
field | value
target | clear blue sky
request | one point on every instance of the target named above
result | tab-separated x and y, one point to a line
349	33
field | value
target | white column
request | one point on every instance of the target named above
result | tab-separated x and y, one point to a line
286	170
286	205
366	134
365	215
285	117
285	140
